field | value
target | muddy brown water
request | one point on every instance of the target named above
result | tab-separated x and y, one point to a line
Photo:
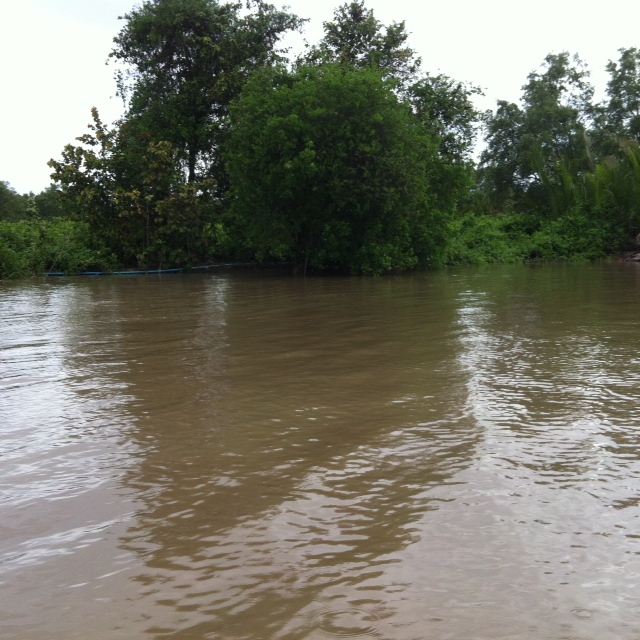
253	456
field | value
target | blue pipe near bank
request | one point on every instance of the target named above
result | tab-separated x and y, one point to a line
148	272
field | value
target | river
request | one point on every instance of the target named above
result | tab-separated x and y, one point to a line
252	456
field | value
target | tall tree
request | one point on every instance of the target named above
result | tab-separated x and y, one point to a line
445	107
186	60
47	203
152	185
330	170
551	123
501	161
134	196
13	206
619	115
356	37
557	104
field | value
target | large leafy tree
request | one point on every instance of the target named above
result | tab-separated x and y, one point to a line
152	186
330	170
619	115
525	141
356	37
502	160
47	203
445	107
132	192
13	206
557	104
185	61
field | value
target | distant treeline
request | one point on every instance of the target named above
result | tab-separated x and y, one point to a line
348	158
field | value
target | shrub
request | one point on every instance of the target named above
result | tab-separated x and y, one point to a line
29	247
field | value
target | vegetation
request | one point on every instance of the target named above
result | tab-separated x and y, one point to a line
358	40
30	247
349	158
330	170
559	158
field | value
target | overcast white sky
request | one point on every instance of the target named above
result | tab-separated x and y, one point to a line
53	55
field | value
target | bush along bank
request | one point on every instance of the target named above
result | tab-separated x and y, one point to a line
31	247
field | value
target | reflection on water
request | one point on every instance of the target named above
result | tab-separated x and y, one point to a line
448	455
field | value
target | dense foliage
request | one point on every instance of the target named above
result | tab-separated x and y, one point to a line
525	140
559	156
186	61
330	170
30	247
349	157
153	185
357	39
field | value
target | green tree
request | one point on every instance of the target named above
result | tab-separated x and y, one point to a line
13	206
330	170
619	115
357	38
134	197
612	190
445	107
613	187
47	203
523	141
501	161
152	186
186	60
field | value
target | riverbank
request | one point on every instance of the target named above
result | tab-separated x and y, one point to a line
65	247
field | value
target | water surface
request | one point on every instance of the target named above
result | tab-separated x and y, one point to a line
254	456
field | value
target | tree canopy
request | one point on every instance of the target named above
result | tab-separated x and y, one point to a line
12	205
330	170
523	141
618	116
185	61
348	158
356	37
153	184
